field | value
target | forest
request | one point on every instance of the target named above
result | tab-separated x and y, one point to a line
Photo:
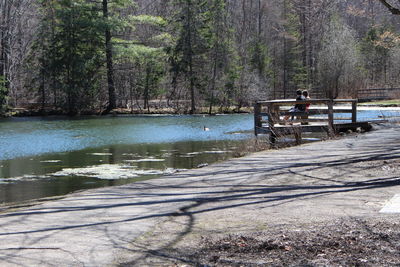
190	56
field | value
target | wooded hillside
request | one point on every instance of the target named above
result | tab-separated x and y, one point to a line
83	55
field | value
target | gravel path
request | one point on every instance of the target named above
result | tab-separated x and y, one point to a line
181	219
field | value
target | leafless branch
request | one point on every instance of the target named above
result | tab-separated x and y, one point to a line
392	9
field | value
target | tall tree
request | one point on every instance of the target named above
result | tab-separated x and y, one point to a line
259	57
43	54
142	56
294	72
5	10
222	58
304	10
17	25
3	96
190	44
339	60
112	101
75	51
376	54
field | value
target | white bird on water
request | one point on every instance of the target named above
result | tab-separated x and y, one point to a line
205	128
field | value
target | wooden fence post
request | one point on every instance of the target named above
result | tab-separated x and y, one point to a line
331	128
354	111
271	123
297	135
257	117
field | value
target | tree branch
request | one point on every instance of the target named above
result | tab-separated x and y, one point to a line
395	11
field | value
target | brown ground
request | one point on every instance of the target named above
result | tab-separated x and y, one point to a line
346	242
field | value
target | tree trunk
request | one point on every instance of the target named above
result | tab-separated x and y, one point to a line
285	56
43	91
146	90
259	44
4	43
310	56
213	81
190	58
304	38
109	58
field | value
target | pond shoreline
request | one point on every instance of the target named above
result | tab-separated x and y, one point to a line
25	112
34	112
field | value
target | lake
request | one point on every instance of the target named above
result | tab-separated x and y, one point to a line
48	156
51	156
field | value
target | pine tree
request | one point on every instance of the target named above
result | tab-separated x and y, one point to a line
144	60
74	51
376	54
186	56
221	55
295	74
3	96
109	61
111	21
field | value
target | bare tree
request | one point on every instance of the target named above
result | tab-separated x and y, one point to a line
18	21
339	60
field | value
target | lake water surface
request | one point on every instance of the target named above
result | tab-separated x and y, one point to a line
49	156
46	156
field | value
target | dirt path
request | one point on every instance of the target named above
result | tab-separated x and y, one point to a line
181	219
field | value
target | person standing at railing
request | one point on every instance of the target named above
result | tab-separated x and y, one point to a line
297	107
306	97
307	107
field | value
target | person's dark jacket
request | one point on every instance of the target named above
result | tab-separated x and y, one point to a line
300	107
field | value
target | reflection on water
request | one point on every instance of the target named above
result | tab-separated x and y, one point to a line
22	137
42	157
60	173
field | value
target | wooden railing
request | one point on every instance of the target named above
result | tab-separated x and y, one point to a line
320	114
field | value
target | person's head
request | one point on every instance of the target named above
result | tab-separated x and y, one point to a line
305	93
298	92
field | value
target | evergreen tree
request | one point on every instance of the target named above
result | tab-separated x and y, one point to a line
111	22
295	74
147	65
43	54
221	55
187	56
145	59
74	51
3	96
376	54
259	58
109	61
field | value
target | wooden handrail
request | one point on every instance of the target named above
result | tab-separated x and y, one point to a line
293	101
309	101
274	112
